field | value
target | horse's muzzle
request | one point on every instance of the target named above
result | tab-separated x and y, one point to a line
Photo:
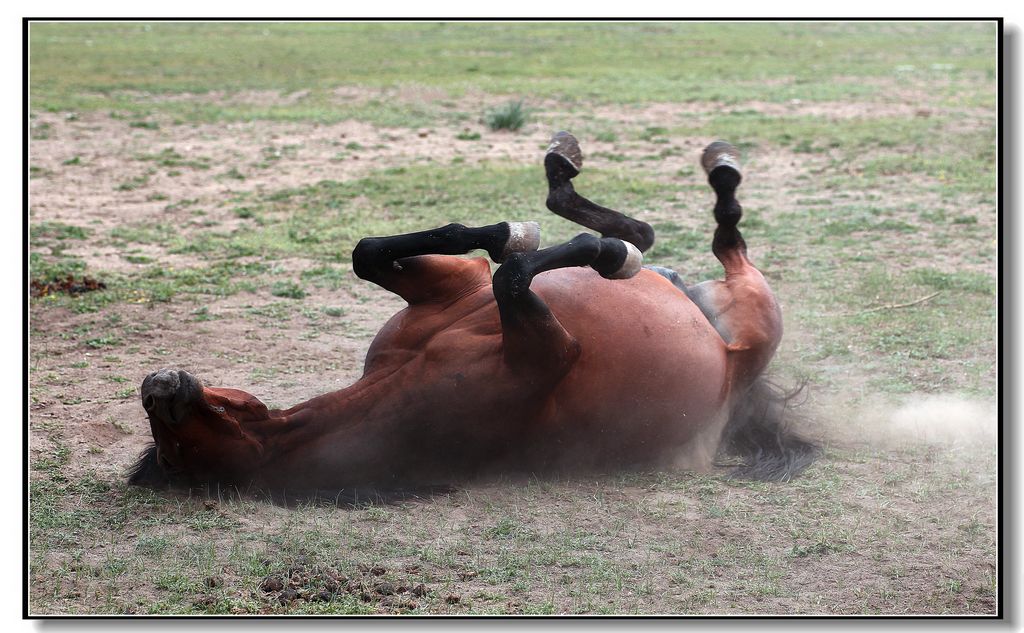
167	394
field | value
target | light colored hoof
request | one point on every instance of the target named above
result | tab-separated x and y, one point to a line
566	147
634	262
720	154
522	237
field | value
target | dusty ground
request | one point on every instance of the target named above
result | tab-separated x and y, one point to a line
885	481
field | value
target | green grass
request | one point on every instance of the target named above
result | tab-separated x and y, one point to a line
508	116
872	212
90	66
941	344
525	552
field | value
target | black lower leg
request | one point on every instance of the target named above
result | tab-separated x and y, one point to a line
728	212
512	280
562	164
374	255
721	163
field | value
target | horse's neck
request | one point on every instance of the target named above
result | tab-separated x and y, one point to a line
336	412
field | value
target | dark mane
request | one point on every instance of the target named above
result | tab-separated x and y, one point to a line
146	471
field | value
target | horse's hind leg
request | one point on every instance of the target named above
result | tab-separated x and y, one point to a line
742	307
563	163
721	163
532	335
402	263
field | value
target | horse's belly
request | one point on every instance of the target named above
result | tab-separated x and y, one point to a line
652	370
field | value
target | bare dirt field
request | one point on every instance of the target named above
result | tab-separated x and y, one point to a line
224	247
894	539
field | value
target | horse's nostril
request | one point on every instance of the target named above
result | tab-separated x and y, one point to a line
148	402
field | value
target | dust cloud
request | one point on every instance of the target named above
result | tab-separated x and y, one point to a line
924	419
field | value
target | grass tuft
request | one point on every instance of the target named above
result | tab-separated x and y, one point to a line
508	116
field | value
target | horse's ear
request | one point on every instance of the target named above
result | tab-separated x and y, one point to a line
147	472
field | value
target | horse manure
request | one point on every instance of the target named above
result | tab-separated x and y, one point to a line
354	586
272	583
420	590
453	599
466	575
386	589
204	601
69	285
323	596
213	581
288	595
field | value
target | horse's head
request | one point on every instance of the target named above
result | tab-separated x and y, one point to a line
197	432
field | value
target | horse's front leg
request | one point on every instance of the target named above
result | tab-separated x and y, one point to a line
533	335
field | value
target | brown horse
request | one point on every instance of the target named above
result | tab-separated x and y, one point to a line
571	357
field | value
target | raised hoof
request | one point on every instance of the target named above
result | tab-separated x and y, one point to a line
634	262
522	237
564	158
720	155
168	393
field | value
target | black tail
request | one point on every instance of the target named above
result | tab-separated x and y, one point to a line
758	433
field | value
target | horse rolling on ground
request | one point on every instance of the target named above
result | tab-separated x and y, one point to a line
573	357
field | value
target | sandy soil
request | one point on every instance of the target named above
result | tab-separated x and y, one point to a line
280	360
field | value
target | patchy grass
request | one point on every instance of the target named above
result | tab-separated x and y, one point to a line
857	222
96	65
